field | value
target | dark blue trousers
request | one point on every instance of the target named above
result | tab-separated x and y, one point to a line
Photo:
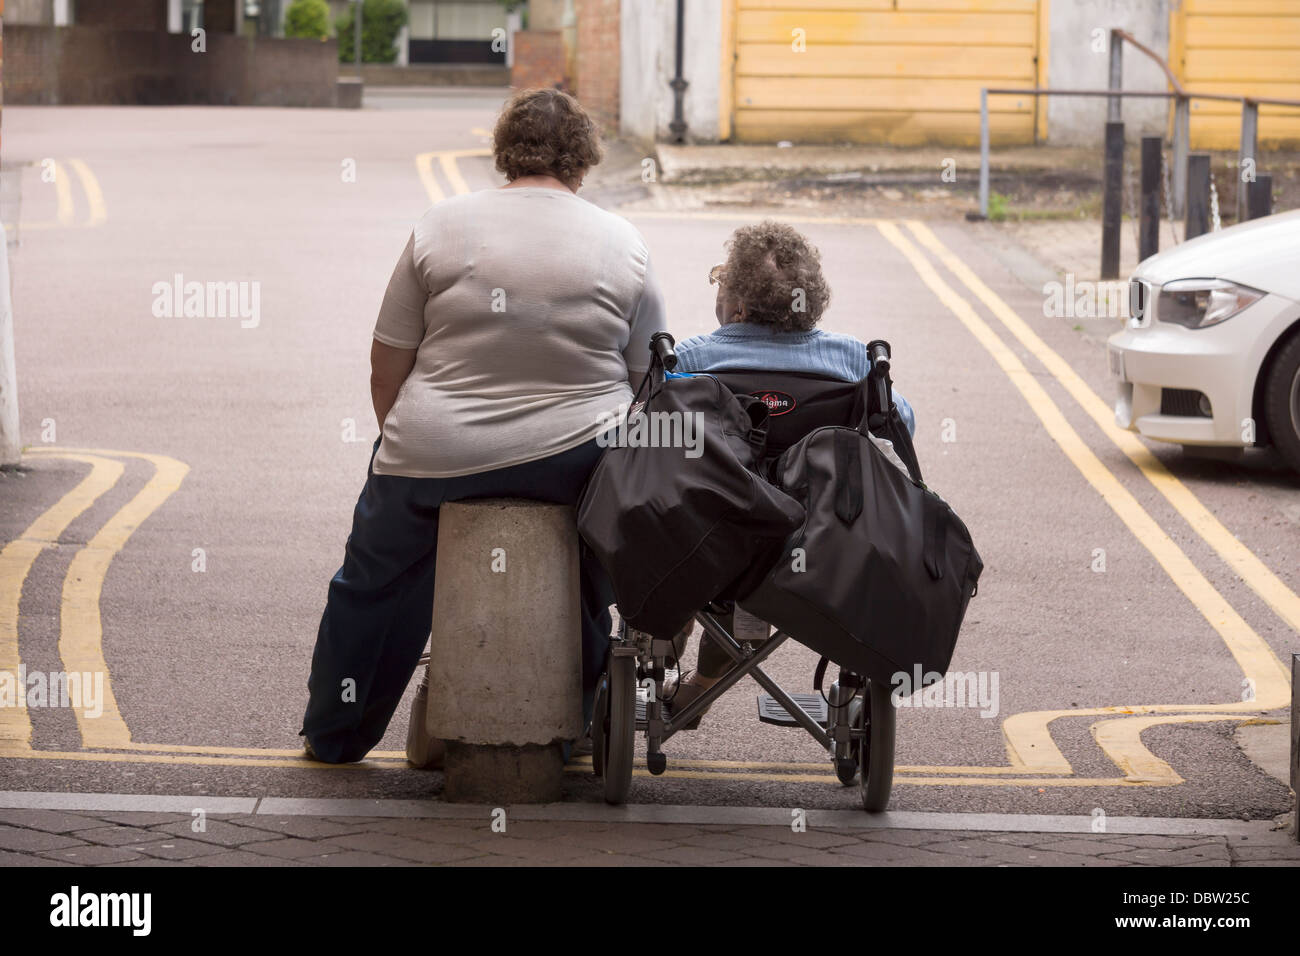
380	606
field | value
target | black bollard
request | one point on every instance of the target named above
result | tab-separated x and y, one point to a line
1198	195
1259	197
1112	200
1149	210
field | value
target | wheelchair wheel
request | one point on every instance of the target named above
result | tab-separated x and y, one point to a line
877	759
619	743
846	768
600	726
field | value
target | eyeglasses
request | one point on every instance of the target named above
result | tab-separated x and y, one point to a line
715	274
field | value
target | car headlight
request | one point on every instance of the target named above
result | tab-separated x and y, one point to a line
1199	303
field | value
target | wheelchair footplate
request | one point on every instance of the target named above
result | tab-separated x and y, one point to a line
770	710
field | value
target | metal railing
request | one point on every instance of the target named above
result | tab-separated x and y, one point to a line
1247	148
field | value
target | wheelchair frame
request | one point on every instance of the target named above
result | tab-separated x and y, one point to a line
858	734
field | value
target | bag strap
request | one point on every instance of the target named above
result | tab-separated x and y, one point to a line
880	414
848	475
819	674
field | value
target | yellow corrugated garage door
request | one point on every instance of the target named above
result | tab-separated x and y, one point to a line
904	72
1248	47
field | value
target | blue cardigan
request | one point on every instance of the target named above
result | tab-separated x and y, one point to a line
742	345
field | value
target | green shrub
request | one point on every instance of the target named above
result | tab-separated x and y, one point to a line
307	18
381	21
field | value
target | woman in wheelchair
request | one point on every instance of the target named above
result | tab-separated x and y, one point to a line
771	295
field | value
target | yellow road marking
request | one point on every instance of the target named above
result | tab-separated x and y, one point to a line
447	161
1121	739
63	192
81	630
65	216
376	764
301	763
1027	735
424	166
98	214
1284	602
16	560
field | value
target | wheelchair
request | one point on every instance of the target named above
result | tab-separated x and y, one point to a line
854	720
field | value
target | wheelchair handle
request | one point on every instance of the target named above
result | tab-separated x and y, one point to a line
878	350
661	348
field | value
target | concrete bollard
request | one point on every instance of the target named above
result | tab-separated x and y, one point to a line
349	93
505	662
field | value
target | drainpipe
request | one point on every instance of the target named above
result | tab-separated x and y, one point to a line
678	125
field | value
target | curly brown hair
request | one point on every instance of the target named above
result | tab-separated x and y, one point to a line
777	274
545	132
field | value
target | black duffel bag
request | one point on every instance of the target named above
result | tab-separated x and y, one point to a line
878	577
675	532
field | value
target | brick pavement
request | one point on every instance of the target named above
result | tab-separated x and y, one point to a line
121	838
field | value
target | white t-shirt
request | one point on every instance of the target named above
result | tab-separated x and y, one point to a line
528	306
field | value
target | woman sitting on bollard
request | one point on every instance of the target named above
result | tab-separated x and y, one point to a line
517	319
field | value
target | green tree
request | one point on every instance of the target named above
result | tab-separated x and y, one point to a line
381	21
307	18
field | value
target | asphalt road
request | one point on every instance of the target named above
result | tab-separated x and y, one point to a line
208	667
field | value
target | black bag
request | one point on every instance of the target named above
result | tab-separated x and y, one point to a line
886	569
675	532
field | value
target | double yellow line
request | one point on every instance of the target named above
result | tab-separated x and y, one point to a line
1028	739
65	204
80	627
446	160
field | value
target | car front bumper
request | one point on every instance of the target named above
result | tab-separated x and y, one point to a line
1222	362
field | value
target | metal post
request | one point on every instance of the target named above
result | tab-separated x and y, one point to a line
984	154
356	35
1198	195
10	446
1182	120
678	83
1112	200
1259	197
1295	745
1116	81
1246	153
1149	208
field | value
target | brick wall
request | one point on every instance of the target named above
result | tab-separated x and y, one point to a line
122	14
539	59
91	65
598	59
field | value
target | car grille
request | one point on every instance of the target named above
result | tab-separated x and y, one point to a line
1184	402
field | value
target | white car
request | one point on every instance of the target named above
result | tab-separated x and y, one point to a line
1211	352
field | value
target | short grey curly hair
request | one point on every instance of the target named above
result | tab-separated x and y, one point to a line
777	273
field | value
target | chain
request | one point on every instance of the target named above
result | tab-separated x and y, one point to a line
1169	197
1215	224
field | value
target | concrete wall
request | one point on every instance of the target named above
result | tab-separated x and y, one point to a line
91	65
1072	64
648	31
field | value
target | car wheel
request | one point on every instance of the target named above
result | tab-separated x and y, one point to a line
1282	402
